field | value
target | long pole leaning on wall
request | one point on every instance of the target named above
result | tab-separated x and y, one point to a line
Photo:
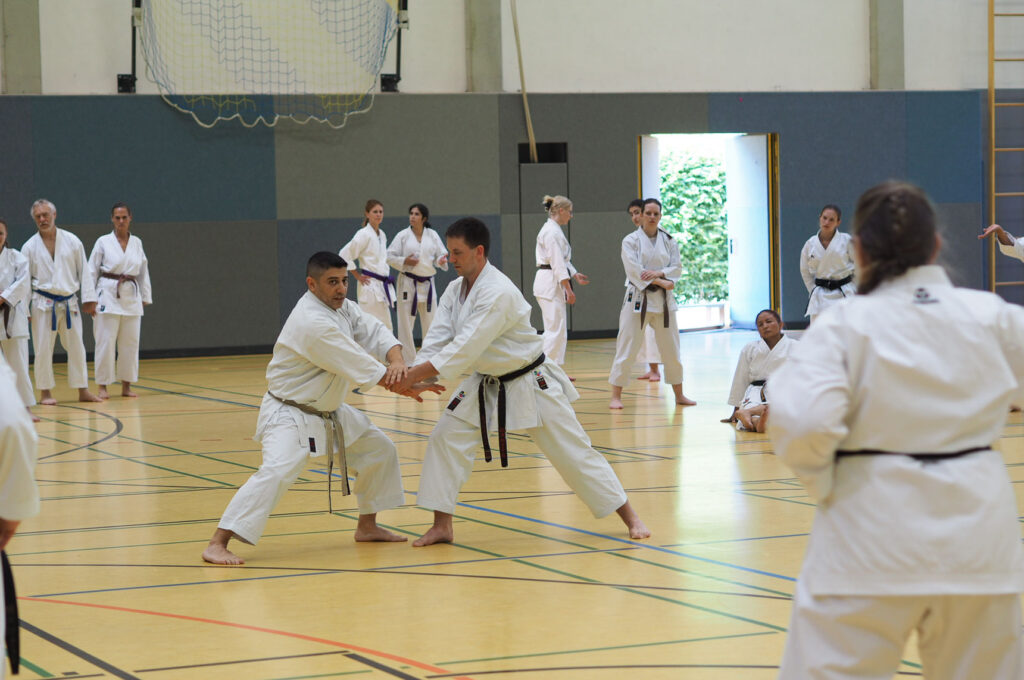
126	81
522	86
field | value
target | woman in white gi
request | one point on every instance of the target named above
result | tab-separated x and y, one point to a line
376	291
827	263
552	285
649	353
416	252
758	360
15	295
886	411
120	271
650	257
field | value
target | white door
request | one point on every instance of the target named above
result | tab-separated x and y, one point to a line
747	207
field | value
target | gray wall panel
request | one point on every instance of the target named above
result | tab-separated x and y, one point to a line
962	251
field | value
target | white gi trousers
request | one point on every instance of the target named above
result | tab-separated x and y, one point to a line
116	333
649	353
43	339
555	328
15	351
453	444
406	321
378	310
961	637
631	338
372	459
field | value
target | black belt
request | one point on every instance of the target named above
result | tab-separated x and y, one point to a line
7	318
758	383
10	616
501	380
383	279
664	306
543	266
416	289
335	441
923	457
833	284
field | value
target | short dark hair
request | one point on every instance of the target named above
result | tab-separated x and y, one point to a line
322	261
833	207
770	311
120	204
472	231
636	202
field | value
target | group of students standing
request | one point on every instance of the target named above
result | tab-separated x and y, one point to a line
42	284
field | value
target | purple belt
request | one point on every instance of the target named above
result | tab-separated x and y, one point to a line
383	279
416	289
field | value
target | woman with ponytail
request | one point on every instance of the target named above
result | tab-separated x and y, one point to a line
376	291
886	410
827	263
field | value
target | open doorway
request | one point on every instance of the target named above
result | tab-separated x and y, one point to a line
717	192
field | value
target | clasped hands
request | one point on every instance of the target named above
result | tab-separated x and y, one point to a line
655	277
399	380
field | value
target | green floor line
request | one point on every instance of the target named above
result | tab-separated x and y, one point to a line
34	668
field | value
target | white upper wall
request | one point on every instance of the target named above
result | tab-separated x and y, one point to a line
606	46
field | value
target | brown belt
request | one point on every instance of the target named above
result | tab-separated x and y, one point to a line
664	306
335	444
120	278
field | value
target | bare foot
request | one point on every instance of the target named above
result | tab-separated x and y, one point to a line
637	529
434	535
217	553
35	418
1014	408
646	376
368	531
46	398
126	392
571	379
102	393
85	395
685	401
655	377
615	403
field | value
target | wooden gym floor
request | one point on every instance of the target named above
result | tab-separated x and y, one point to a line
111	584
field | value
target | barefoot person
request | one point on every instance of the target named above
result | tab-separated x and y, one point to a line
650	257
758	360
120	272
916	526
482	327
56	263
15	294
649	353
369	249
328	346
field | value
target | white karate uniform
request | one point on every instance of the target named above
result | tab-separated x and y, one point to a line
898	543
649	353
1016	249
370	248
639	252
62	274
119	306
488	333
429	249
756	362
320	356
19	497
16	288
836	262
553	249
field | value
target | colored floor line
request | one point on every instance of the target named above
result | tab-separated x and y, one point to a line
76	651
118	426
259	629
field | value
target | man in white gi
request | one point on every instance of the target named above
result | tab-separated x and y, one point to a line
15	294
56	261
328	346
19	497
483	326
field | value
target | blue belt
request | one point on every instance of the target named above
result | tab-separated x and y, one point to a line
53	310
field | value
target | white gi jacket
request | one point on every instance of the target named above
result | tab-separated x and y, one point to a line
638	254
756	362
1015	250
370	248
916	366
16	288
62	274
108	258
552	249
319	357
835	263
489	333
429	250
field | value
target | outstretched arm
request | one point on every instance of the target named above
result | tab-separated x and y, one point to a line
1001	235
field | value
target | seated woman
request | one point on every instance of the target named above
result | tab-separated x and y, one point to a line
758	360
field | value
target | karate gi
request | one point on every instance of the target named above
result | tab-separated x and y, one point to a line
835	262
429	250
320	356
370	248
19	497
639	252
62	274
488	333
119	306
553	250
16	288
649	353
899	543
756	362
1016	249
